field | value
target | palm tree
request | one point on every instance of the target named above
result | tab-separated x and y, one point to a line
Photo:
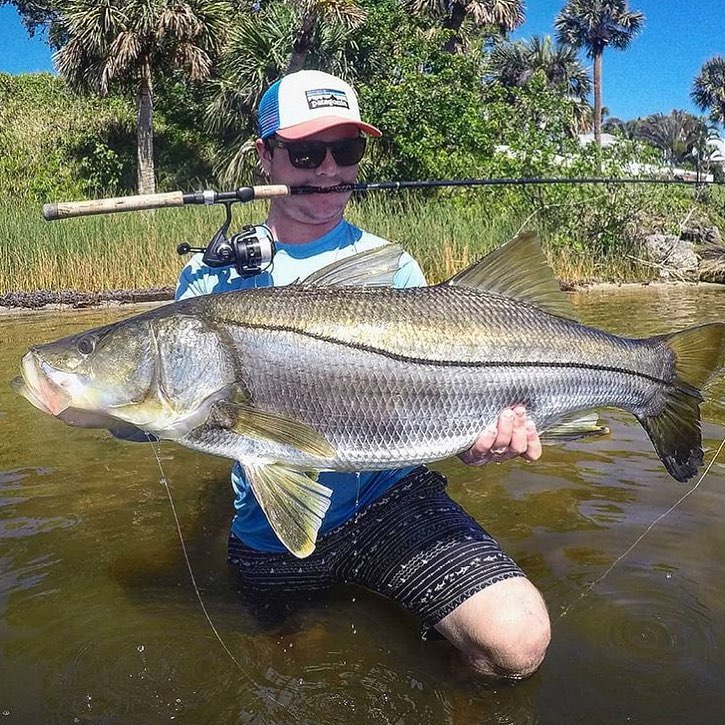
626	129
595	25
125	43
313	13
502	15
676	134
708	89
514	64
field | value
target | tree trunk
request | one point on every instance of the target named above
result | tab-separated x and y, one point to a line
453	23
145	132
302	42
598	98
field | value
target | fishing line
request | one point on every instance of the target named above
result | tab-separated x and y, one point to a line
588	588
165	483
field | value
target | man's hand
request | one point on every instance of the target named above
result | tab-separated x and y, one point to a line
515	435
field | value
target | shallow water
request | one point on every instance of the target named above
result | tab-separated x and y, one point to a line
99	621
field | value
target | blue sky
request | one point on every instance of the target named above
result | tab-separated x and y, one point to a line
653	76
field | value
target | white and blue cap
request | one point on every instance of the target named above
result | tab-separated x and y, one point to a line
307	102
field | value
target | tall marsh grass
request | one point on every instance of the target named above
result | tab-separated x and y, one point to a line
137	250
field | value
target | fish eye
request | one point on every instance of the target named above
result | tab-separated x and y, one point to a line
86	345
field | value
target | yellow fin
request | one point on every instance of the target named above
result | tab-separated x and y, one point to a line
574	426
675	431
698	352
373	267
293	503
518	269
252	423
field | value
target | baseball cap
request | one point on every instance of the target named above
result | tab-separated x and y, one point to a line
307	102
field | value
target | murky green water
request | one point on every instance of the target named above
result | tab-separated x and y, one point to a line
99	621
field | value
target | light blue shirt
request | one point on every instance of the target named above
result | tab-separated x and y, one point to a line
350	491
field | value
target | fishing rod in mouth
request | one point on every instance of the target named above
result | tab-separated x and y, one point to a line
68	209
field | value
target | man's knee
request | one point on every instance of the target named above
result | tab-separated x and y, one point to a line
511	647
502	631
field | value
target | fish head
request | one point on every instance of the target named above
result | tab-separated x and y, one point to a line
101	371
160	372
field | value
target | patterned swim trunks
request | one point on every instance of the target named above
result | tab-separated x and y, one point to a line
413	544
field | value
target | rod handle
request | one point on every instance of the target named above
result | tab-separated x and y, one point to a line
270	190
67	209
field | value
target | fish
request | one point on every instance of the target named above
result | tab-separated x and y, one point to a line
342	372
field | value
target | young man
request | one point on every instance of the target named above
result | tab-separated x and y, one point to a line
395	532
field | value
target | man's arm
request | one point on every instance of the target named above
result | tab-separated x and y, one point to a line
513	435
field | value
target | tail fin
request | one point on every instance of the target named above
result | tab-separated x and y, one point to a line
675	431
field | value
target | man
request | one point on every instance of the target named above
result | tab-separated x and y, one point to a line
395	532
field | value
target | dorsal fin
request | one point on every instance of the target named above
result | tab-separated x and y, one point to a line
518	269
373	267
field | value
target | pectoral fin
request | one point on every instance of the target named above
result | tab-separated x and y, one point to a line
247	421
293	503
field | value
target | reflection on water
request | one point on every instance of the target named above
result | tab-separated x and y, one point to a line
99	621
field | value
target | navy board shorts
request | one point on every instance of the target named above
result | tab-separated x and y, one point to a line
414	545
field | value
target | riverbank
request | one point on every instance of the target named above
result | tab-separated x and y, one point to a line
72	300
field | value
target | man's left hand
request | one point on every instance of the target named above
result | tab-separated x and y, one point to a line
514	435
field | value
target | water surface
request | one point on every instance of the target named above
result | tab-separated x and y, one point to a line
99	621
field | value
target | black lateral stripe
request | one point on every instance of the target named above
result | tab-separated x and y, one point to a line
450	363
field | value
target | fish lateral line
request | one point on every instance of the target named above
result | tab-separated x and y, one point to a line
452	363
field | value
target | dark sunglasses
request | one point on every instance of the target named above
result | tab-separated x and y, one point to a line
310	154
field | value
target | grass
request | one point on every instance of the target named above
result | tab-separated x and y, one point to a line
137	250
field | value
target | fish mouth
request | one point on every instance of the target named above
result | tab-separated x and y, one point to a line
38	388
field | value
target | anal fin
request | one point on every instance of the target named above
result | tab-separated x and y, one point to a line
574	426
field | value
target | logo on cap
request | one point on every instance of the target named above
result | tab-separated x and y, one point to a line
326	98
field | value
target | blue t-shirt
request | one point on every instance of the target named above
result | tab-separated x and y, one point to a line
350	491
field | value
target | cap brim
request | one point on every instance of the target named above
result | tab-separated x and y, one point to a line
308	128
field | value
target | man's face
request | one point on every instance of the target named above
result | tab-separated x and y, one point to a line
311	208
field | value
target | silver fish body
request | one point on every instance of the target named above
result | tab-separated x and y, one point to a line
398	377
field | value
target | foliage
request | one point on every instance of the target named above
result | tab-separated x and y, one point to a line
675	135
708	88
319	14
55	145
125	45
36	14
41	125
496	17
683	140
515	63
429	109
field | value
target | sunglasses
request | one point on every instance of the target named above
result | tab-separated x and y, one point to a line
310	154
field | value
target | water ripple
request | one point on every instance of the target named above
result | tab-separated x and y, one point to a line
657	622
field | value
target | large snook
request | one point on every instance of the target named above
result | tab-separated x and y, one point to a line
334	374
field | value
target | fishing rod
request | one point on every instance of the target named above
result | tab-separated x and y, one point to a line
68	209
